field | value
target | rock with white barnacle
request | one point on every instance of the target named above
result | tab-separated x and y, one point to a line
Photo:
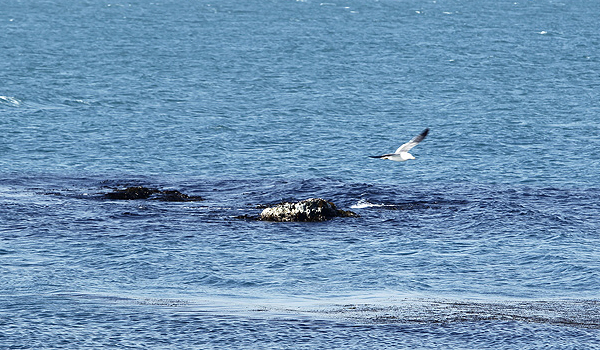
309	210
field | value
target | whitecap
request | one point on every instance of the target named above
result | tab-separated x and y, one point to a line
11	101
363	203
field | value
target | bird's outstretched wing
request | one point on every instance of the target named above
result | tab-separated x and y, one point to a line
412	143
385	155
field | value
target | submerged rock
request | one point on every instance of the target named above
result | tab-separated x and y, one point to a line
313	209
176	196
141	192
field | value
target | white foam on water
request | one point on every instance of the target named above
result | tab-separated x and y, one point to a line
363	203
11	101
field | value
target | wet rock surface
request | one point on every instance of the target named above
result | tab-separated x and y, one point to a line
141	192
309	210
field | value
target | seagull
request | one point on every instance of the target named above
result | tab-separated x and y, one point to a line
401	153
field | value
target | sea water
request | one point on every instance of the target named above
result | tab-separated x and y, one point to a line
488	239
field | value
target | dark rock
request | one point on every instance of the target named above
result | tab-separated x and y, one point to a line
247	217
140	192
176	196
130	193
309	210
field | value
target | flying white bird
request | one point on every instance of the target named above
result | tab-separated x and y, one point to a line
401	153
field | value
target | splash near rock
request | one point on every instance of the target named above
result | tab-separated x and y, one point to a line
309	210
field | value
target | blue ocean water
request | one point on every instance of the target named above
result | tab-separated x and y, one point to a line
487	240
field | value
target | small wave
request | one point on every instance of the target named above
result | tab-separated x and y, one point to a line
76	102
10	101
124	299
